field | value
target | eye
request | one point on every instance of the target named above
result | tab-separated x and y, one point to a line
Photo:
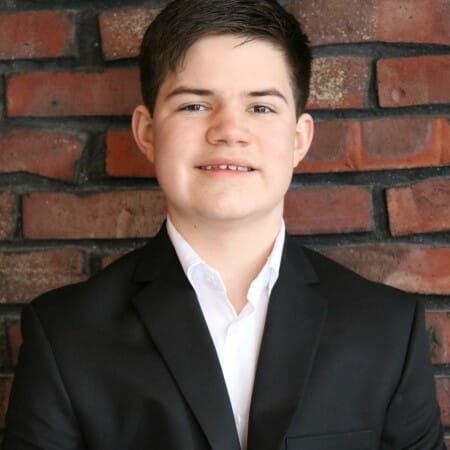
195	107
261	109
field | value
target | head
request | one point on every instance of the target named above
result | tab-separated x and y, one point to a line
183	22
224	84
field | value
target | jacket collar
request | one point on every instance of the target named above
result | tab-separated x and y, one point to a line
169	309
292	333
173	318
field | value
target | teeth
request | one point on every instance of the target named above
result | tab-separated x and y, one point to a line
227	167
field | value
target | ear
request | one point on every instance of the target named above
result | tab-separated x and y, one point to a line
142	126
304	133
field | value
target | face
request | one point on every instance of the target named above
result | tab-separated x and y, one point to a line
224	137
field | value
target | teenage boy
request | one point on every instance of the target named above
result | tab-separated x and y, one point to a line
223	333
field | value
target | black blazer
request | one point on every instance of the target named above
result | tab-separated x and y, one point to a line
125	361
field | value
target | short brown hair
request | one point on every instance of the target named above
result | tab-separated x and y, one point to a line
183	22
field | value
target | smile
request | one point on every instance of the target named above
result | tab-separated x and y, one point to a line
231	167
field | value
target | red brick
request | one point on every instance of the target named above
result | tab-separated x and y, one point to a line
328	210
24	275
443	397
37	34
438	325
110	258
420	208
122	30
47	153
123	157
8	213
14	341
418	21
413	268
386	143
5	392
112	92
339	82
122	214
416	80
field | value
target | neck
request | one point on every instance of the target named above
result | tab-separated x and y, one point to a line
238	251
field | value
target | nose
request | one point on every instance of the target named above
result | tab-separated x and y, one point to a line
228	128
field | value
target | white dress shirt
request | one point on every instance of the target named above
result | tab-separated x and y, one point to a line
236	337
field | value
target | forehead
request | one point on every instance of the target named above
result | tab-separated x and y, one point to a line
232	57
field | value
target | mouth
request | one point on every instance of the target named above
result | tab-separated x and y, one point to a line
230	167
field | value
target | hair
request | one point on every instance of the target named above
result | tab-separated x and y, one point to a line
183	22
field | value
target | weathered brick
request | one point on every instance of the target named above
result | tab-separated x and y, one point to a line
122	214
417	21
420	208
413	268
123	157
438	326
385	143
14	336
111	92
47	153
24	275
121	31
328	210
416	80
37	34
7	214
5	392
328	22
339	82
443	397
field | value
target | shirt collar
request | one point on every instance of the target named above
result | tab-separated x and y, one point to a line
189	260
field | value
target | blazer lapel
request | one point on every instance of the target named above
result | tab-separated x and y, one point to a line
172	315
294	321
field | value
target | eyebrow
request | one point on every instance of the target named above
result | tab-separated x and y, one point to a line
268	93
183	90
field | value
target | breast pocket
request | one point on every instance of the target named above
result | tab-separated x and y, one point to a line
357	440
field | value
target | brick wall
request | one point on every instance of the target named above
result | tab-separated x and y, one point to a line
373	193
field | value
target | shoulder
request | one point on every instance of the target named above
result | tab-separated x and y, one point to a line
109	291
348	291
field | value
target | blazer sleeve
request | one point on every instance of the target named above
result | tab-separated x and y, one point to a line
413	418
40	414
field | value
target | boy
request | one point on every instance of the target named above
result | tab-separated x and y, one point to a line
222	332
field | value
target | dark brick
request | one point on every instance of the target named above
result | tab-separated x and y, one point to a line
416	80
385	143
109	93
7	214
416	21
413	268
123	157
24	275
43	152
443	396
122	30
320	210
438	324
122	214
423	207
37	34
